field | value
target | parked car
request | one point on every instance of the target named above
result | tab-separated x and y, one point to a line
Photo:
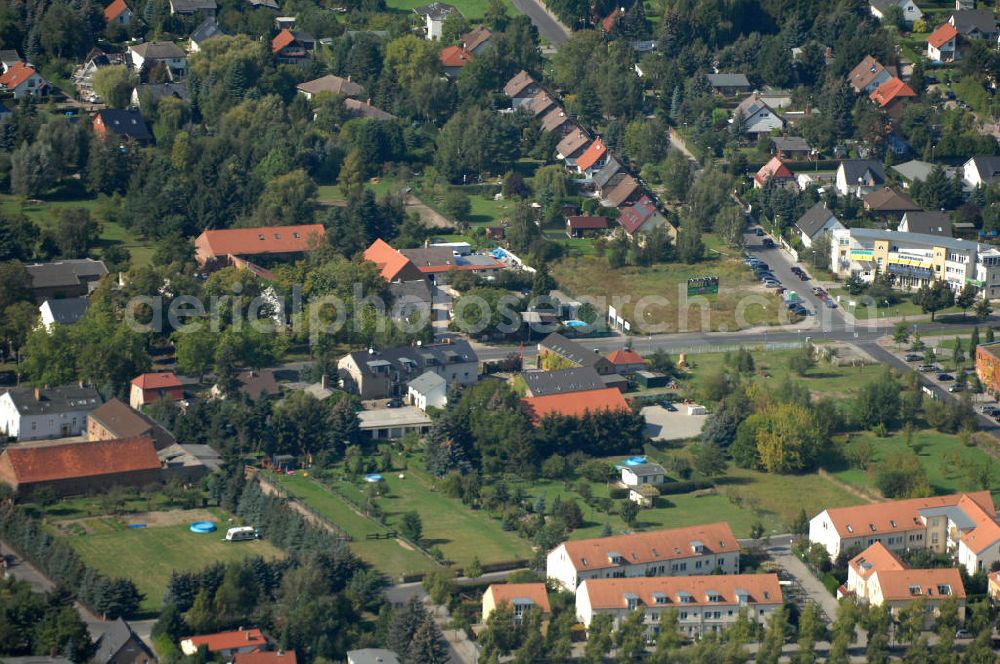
830	304
989	409
963	634
927	368
669	406
769	243
770	283
956	388
759	232
803	276
913	357
944	377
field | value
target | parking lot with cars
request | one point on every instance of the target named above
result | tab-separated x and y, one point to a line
776	271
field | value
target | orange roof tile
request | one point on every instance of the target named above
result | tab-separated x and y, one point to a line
508	592
17	74
669	590
575	404
454	56
50	462
282	40
389	261
261	240
773	169
942	35
114	10
623	356
986	530
875	558
909	584
897	515
652	546
158	380
259	657
591	155
229	640
890	91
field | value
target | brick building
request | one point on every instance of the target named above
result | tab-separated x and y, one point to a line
988	366
78	468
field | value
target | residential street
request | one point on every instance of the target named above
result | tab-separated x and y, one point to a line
549	27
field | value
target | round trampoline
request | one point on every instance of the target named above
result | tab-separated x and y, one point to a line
203	527
373	478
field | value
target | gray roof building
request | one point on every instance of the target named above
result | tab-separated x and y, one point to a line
611	168
52	400
926	223
69	276
426	382
372	656
914	170
208	29
857	169
562	381
67	311
728	81
436	10
971	21
192	6
120	637
791	144
814	219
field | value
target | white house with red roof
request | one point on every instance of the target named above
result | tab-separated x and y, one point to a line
694	550
22	80
964	525
226	644
942	44
150	387
777	171
118	13
592	159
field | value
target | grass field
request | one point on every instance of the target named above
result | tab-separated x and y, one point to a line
464	535
904	308
387	555
772	369
149	555
44	215
741	301
470	9
945	458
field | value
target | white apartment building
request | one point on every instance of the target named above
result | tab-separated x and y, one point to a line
42	413
878	577
676	552
963	525
915	259
703	603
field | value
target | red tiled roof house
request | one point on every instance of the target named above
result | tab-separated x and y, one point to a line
942	44
215	249
775	170
891	95
627	360
118	13
150	387
226	644
22	80
78	468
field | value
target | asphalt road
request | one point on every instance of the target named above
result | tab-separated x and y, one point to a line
548	25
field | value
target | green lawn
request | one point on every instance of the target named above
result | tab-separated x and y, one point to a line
44	215
772	369
387	555
903	308
945	458
741	301
149	555
470	9
330	193
465	534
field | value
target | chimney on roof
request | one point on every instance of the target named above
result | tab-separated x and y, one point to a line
369	101
38	394
249	636
348	78
324	380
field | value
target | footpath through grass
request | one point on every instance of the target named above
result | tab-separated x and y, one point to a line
388	555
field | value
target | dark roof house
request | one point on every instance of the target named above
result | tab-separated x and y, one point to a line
562	381
574	353
64	278
123	123
120	645
64	311
926	223
115	419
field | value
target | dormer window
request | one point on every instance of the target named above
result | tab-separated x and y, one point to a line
615	558
260	236
944	589
872	527
631	601
277	236
697	546
914	590
659	598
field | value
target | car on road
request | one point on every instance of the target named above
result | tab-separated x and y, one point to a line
945	377
819	292
927	368
963	634
803	276
913	357
829	304
989	409
669	406
759	232
956	388
769	243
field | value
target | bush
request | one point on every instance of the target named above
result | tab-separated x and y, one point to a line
687	486
457	204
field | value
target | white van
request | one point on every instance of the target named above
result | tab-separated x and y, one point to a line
241	533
